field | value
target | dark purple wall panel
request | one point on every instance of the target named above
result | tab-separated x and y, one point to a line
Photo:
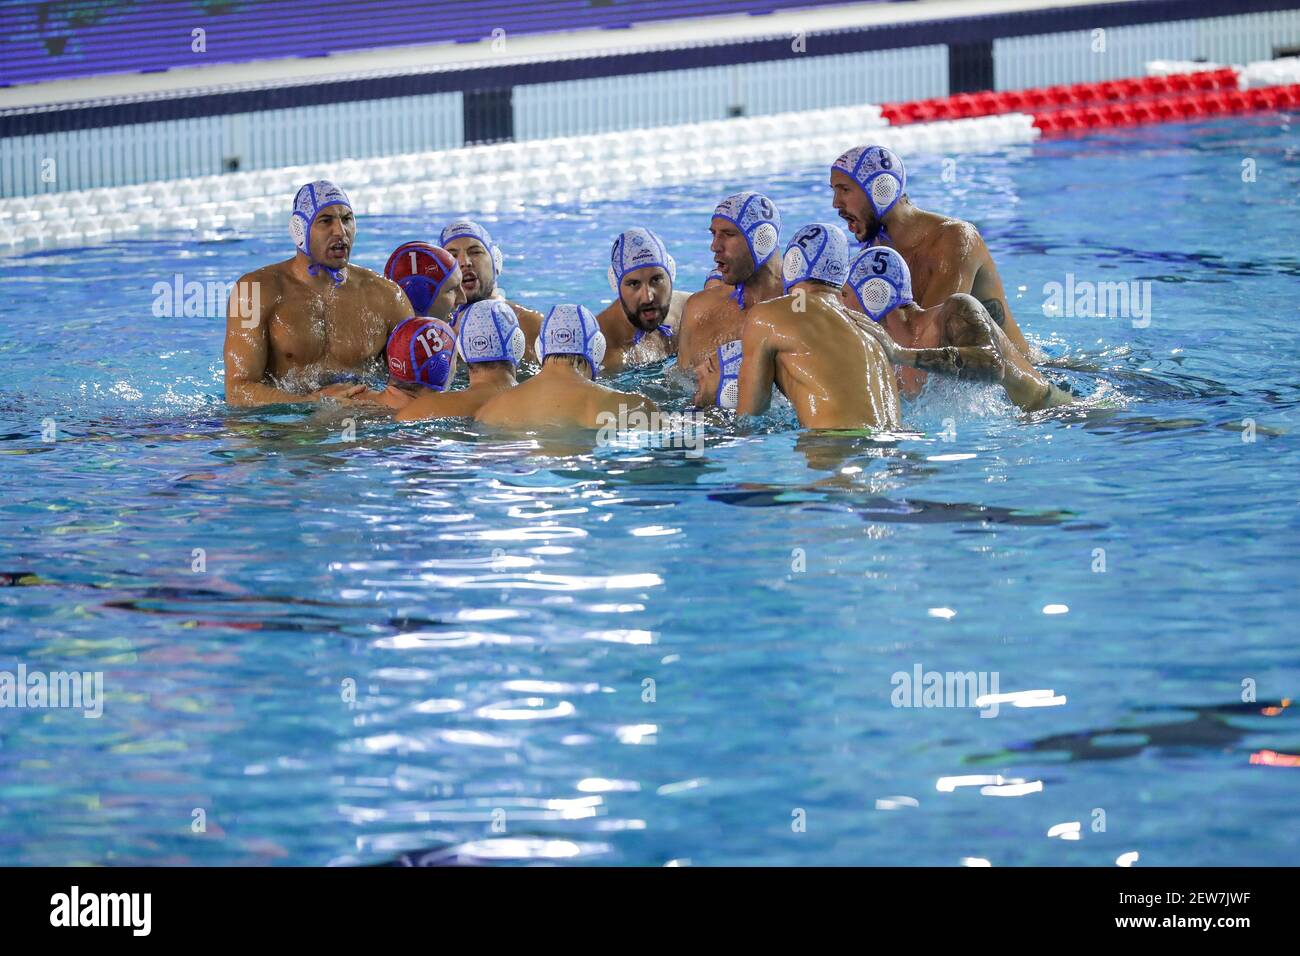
63	39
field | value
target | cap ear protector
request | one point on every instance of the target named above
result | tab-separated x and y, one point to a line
880	278
489	332
420	351
421	270
878	172
729	360
572	330
516	345
467	228
638	249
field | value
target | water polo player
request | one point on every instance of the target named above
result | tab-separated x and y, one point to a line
295	329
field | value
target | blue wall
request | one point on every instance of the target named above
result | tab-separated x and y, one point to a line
62	39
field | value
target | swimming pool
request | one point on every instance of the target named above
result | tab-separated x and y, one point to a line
501	609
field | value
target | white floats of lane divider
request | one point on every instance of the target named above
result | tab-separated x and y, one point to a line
591	168
1284	71
1171	67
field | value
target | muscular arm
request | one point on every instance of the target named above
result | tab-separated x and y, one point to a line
688	329
248	345
676	314
967	266
967	362
758	369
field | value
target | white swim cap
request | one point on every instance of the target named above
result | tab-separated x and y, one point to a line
819	250
638	249
307	204
882	281
489	332
758	221
572	330
729	360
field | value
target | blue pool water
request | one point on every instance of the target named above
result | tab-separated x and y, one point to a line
500	609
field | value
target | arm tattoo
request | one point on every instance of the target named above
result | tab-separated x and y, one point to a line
946	361
996	312
970	362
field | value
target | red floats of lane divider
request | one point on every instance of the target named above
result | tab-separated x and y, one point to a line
1171	108
1124	102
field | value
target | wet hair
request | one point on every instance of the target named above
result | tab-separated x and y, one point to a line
492	366
577	361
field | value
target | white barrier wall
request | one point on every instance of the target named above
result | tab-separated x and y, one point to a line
1049	59
143	152
611	103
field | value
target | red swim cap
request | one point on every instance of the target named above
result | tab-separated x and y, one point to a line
420	269
422	352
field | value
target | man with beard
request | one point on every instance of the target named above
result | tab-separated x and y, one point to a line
946	255
746	230
481	263
307	328
640	327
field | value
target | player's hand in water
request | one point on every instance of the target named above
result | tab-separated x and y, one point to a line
341	392
393	398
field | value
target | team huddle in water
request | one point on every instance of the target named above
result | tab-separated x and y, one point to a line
841	335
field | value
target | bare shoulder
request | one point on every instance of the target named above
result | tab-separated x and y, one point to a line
609	314
702	302
605	399
491	411
364	276
524	312
773	314
961	238
372	282
269	277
